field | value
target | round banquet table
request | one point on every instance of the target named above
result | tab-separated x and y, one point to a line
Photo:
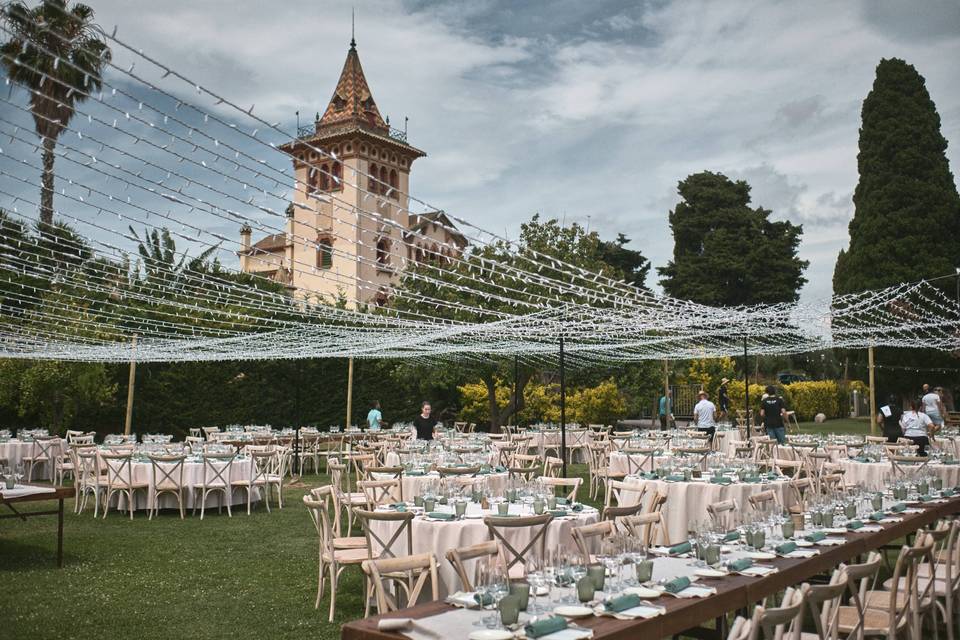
13	451
877	475
687	501
437	537
192	478
415	485
393	459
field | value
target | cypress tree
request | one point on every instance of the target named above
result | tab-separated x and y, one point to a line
906	224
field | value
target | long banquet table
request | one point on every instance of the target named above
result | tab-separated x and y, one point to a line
733	592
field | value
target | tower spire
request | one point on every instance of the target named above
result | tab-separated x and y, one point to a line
353	28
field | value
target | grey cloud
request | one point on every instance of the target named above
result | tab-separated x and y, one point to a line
913	22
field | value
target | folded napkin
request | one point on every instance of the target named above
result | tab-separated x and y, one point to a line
562	501
414	473
731	536
898	508
677	585
440	515
577	508
723	480
739	565
483	599
675	477
545	626
853	525
677	549
399	506
926	498
815	536
751	479
861	459
950	462
499	469
785	548
877	516
558	513
649	475
947	493
622	603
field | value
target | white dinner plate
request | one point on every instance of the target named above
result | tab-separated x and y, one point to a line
761	555
710	573
491	634
573	611
643	592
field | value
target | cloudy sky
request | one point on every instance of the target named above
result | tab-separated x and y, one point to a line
578	109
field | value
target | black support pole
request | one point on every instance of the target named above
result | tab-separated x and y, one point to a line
563	412
746	384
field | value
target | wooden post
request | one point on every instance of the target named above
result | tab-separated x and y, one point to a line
132	380
347	424
873	396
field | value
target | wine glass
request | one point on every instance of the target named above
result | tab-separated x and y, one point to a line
498	585
533	567
480	582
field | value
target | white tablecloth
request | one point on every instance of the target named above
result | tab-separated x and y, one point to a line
687	501
415	485
192	478
13	451
437	537
877	475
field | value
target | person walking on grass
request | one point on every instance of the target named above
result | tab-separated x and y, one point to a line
916	426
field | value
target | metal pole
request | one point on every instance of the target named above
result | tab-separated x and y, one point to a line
349	394
516	375
873	397
130	384
746	383
666	389
296	442
563	412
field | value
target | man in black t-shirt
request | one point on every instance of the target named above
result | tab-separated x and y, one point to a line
773	410
723	398
424	422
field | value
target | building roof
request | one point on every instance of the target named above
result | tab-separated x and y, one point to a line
271	243
352	100
418	223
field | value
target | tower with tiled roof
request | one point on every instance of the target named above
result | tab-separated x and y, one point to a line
347	230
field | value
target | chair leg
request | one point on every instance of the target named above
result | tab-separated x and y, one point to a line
228	498
203	503
333	590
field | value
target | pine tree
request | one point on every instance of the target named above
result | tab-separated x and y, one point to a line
727	253
906	224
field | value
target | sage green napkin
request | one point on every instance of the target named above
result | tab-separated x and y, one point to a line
648	475
740	565
853	525
723	480
876	516
545	627
677	549
677	585
926	498
562	501
675	477
484	599
731	536
815	536
946	493
898	508
622	603
441	515
785	548
557	513
577	508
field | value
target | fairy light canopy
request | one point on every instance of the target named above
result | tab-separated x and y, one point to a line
151	148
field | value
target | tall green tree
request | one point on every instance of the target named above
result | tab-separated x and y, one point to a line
906	222
725	251
630	262
56	53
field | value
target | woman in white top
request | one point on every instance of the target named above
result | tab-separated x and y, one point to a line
916	426
933	406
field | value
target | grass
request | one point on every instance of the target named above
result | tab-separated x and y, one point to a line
239	577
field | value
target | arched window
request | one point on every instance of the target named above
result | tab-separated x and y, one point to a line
372	180
324	177
312	177
383	251
434	253
419	254
324	253
337	178
395	183
381	298
384	180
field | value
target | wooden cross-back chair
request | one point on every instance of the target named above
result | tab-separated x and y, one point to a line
823	602
329	558
459	557
584	535
723	513
651	528
381	492
568	486
614	495
640	460
499	527
411	573
167	474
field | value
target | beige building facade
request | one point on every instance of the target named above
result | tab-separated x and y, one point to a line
349	232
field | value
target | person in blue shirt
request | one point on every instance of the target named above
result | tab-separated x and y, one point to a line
666	410
375	418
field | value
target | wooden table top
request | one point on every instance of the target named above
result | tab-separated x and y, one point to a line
59	493
733	592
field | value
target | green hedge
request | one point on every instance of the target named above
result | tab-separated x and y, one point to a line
829	397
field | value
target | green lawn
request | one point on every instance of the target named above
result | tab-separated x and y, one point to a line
240	577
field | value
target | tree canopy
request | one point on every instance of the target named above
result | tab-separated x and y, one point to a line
726	252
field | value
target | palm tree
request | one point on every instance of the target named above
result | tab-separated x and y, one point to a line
56	53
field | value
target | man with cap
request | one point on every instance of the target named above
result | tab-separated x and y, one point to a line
723	398
705	415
